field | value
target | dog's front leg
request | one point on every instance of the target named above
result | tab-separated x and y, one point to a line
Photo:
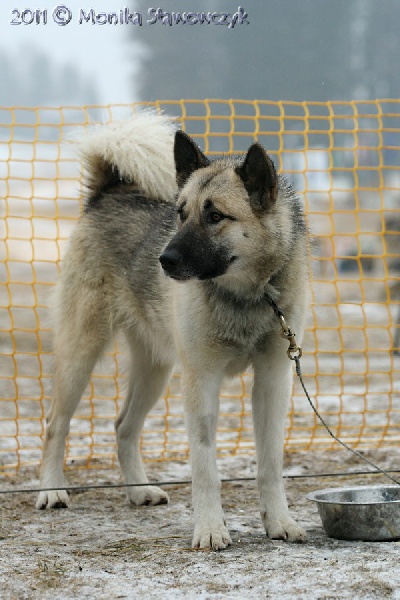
201	395
271	392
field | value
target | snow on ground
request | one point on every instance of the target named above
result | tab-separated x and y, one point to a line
102	548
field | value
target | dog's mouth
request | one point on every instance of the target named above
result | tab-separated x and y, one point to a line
177	277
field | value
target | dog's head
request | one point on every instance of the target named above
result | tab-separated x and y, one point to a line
221	210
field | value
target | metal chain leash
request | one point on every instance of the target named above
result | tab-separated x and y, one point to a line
294	352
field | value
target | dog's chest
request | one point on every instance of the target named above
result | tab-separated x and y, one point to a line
246	328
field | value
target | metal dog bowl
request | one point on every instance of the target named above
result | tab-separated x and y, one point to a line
367	513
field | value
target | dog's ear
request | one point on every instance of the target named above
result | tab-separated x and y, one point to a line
188	157
258	175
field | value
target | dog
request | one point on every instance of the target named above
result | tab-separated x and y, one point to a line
184	255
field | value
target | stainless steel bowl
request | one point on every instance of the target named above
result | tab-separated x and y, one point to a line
368	513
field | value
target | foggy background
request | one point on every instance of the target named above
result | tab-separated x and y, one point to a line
291	50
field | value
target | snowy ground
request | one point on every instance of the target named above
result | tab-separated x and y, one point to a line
102	548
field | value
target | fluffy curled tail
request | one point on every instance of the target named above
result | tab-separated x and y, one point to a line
138	150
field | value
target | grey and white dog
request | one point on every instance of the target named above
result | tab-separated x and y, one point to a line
184	256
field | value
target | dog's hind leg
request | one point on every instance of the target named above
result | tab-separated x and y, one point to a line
82	331
147	380
271	392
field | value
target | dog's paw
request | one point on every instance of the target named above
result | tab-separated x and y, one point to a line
56	499
215	537
284	529
149	495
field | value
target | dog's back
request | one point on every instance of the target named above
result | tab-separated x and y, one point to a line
111	268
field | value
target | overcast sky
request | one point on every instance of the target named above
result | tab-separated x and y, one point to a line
102	52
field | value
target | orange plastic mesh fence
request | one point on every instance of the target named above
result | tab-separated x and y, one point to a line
343	158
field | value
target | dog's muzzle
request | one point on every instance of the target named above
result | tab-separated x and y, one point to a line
192	254
172	263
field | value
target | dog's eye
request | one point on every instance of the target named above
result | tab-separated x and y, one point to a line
215	217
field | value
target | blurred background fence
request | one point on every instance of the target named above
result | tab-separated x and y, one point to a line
344	160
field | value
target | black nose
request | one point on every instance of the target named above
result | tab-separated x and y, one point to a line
170	258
